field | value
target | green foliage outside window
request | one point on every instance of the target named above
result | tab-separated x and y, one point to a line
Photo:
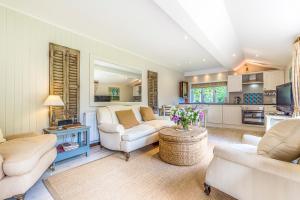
209	94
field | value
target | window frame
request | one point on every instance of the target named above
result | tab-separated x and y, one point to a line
202	95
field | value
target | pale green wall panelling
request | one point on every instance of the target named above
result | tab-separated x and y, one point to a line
24	81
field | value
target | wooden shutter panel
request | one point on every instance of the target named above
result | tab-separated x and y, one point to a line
152	91
64	79
73	73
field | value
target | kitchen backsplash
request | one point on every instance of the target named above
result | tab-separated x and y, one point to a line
253	98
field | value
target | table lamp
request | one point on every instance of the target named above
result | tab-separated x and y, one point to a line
53	100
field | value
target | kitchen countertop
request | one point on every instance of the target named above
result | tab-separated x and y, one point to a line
241	104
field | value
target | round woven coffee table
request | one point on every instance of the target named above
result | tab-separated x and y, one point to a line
180	147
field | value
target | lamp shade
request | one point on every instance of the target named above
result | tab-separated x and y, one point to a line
54	100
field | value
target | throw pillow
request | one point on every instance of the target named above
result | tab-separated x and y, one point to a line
127	118
282	141
147	113
1	137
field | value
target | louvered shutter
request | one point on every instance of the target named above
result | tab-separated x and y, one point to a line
64	79
152	91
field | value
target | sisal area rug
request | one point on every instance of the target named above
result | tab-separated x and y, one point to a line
143	177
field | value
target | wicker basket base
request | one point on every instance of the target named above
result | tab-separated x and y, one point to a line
182	152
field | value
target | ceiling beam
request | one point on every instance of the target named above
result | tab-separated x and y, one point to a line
208	23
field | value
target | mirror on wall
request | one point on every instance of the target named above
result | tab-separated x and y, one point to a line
115	84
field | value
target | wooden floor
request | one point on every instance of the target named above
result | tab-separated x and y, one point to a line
39	191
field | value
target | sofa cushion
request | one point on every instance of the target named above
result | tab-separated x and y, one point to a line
137	132
1	167
22	154
282	141
147	113
113	109
159	124
127	118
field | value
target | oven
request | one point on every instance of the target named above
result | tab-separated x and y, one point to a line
255	117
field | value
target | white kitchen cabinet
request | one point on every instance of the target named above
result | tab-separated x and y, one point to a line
272	79
235	83
214	114
232	115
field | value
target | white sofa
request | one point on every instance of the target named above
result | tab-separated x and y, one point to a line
113	135
238	171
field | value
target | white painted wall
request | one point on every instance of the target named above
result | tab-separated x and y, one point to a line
24	70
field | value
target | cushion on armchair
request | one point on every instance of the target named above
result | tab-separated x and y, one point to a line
282	141
127	118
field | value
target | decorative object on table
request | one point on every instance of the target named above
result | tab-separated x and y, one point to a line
152	90
71	142
75	125
114	93
179	148
64	79
185	116
64	122
296	77
53	100
68	146
237	100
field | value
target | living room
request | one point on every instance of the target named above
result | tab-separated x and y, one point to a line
152	99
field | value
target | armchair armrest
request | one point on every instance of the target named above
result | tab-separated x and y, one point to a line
111	128
251	139
278	168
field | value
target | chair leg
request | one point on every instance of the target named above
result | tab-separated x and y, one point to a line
20	197
127	156
207	189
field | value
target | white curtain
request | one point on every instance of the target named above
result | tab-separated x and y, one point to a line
296	77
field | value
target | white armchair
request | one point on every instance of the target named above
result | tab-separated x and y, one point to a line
238	171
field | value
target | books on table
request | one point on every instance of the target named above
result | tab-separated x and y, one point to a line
67	146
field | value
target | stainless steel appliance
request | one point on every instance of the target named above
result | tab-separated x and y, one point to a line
255	117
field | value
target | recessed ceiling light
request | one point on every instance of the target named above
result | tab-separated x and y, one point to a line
256	55
186	37
203	59
233	55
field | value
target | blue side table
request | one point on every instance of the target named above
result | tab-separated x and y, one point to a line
79	135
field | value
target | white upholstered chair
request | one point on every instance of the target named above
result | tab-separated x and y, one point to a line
23	160
239	171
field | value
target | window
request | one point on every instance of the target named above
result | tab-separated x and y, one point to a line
208	93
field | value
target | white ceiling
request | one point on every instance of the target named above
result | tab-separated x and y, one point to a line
220	33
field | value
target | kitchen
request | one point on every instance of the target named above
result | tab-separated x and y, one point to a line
250	93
